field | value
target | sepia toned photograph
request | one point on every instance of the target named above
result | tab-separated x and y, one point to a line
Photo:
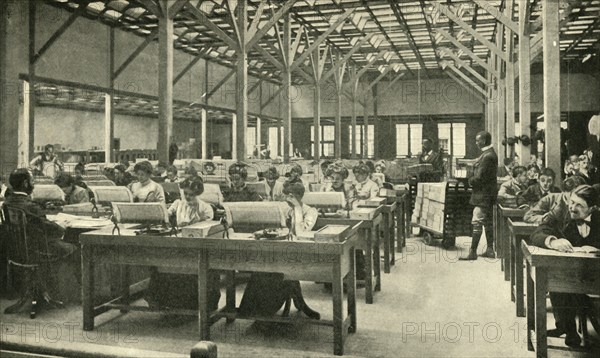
300	178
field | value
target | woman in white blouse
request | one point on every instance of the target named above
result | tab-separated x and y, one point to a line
191	209
145	190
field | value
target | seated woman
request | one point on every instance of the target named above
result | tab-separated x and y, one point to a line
145	190
181	290
543	187
587	170
380	168
574	229
74	194
239	191
172	175
365	187
295	176
121	176
509	190
338	175
274	186
209	168
533	174
266	293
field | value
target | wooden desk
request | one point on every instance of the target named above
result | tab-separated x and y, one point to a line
369	242
519	231
297	260
388	212
501	239
553	271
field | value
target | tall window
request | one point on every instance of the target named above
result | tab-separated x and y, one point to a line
250	140
273	144
327	140
452	138
360	138
408	139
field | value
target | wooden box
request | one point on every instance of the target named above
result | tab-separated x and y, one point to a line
332	233
371	203
363	214
202	229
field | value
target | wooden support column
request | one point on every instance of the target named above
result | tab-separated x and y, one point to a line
234	137
551	30
494	106
32	100
241	93
203	134
510	80
365	141
501	128
165	82
317	121
524	80
287	86
109	113
354	96
338	122
258	136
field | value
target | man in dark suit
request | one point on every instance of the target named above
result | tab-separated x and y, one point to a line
484	195
564	230
433	157
39	228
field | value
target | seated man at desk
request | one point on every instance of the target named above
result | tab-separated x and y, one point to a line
267	292
145	190
538	213
74	194
38	226
511	189
571	230
181	290
274	186
239	191
543	187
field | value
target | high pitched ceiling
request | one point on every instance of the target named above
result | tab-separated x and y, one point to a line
405	35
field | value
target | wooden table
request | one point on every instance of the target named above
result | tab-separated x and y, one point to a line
519	231
501	239
369	242
297	260
553	271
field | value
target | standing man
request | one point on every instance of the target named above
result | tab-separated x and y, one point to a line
484	195
173	149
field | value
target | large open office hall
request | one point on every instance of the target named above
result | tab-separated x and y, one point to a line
301	178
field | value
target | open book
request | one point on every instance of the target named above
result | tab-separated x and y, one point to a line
586	249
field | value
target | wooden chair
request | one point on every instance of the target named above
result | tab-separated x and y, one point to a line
28	256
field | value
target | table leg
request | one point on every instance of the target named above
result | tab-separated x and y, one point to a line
518	268
386	243
368	265
541	288
377	267
338	315
530	308
511	267
351	285
407	213
124	281
508	255
230	294
400	233
87	287
203	314
497	240
391	233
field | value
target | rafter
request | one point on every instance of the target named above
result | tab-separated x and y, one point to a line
176	7
411	41
379	78
466	87
272	21
209	24
468	52
221	83
452	16
347	56
151	37
394	80
153	7
467	79
466	66
491	9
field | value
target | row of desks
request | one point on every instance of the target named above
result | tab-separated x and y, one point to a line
547	271
307	261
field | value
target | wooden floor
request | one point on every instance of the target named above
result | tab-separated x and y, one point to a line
431	305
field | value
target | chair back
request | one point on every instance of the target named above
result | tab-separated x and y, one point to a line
20	250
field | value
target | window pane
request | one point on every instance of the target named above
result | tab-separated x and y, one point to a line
328	133
459	140
401	140
359	130
312	134
444	136
250	140
273	141
416	135
371	141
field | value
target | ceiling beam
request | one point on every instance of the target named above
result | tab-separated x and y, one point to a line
467	79
369	63
389	85
258	35
411	41
379	78
151	37
492	10
347	56
233	44
153	7
468	52
593	26
221	83
466	87
321	38
430	32
176	7
186	69
452	16
466	66
263	105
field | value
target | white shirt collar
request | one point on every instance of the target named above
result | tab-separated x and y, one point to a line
20	193
486	148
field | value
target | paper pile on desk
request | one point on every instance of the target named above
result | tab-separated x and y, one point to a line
78	222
